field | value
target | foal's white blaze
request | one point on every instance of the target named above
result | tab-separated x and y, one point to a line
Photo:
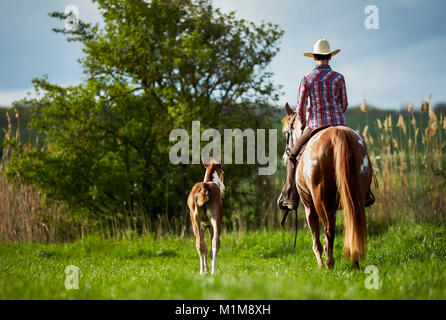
365	164
216	179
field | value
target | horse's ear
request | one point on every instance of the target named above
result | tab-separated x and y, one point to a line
288	109
204	162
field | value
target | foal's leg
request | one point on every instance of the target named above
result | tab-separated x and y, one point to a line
204	251
211	236
313	223
201	246
215	242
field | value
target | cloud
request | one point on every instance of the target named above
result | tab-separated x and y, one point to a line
393	65
9	96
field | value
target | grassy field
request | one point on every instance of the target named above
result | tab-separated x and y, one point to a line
411	261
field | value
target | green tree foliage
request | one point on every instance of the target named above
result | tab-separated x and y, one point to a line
152	66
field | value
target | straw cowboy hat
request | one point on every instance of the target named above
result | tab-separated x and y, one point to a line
321	47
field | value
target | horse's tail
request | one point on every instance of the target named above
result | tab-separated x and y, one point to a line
355	229
202	195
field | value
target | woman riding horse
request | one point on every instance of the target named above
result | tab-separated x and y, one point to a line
328	102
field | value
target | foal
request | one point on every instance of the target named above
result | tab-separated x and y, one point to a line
205	209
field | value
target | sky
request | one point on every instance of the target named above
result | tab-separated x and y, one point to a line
399	63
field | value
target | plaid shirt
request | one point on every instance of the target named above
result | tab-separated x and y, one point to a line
328	98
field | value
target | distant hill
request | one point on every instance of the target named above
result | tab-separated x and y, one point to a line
356	119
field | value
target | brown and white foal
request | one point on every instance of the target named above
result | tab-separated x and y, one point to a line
205	208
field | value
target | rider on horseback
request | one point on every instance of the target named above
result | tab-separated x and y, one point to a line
328	102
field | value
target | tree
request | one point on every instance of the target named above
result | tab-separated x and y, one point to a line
152	66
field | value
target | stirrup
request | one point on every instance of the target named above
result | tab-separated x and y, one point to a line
279	202
290	204
287	204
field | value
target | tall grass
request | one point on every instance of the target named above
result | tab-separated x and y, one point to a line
25	217
409	165
25	214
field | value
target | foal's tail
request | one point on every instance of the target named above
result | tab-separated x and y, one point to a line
346	169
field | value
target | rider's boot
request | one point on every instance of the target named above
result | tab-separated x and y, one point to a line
289	198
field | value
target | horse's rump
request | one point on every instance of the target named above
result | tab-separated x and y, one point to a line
202	195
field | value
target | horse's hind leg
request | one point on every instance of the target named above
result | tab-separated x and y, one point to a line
313	223
329	240
329	220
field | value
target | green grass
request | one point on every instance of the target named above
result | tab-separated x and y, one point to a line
261	265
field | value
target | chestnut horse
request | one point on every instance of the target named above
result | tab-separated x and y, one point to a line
334	172
205	208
